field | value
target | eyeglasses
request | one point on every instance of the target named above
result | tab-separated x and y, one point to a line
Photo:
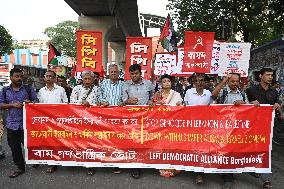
49	76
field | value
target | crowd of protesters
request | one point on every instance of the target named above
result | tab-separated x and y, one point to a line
199	89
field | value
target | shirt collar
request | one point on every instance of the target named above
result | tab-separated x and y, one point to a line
195	92
229	90
114	83
261	88
11	88
54	87
142	82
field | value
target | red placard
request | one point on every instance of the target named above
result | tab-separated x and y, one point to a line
220	138
139	51
89	51
198	51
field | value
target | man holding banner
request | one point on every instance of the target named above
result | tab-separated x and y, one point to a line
51	94
229	94
137	91
13	98
110	92
263	93
198	96
86	94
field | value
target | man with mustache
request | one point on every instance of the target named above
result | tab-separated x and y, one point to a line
13	98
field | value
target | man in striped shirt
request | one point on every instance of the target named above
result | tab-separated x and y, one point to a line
110	91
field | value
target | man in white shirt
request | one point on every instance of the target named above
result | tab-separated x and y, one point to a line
198	95
51	94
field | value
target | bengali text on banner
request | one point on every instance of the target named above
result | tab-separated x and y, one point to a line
218	138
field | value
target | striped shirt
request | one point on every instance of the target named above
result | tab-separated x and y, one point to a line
111	92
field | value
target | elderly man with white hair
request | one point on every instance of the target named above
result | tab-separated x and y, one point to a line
85	94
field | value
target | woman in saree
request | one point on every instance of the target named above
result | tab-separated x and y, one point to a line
167	96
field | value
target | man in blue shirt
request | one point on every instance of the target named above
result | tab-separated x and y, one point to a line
13	98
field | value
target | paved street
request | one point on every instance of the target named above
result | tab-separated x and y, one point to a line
75	177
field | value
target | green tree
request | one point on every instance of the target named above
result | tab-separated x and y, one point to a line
258	21
63	37
6	41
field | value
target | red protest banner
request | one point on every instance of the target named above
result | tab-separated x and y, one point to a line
220	138
139	51
198	51
89	51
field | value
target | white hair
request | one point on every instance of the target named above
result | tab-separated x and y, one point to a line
112	66
87	72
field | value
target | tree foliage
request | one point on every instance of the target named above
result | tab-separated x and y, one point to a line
257	21
6	41
63	37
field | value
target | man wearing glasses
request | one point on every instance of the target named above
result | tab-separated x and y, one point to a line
51	94
198	96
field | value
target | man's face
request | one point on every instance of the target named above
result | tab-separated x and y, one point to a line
135	76
17	78
49	78
113	73
96	79
61	82
199	83
88	80
234	82
267	77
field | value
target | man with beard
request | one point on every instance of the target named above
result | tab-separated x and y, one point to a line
13	98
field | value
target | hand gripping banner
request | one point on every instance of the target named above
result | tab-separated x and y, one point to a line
220	138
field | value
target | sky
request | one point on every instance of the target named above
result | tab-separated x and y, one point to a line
28	19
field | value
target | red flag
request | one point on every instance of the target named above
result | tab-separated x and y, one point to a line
165	31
